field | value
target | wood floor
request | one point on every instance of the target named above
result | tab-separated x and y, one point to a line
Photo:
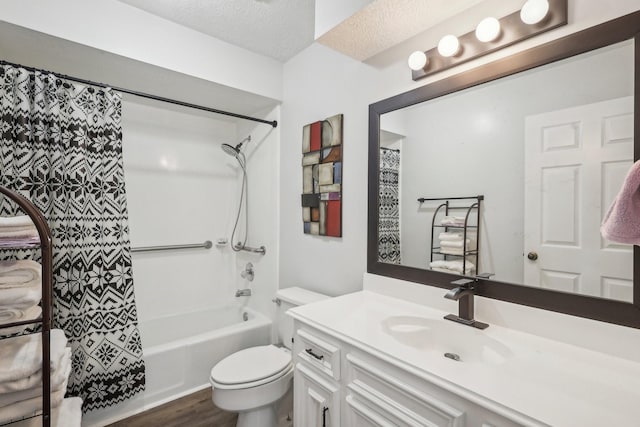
195	410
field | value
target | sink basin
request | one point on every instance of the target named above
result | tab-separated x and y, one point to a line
442	336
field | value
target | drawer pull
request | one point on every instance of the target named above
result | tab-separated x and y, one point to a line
311	353
324	416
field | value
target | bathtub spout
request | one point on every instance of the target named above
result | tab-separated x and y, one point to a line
243	293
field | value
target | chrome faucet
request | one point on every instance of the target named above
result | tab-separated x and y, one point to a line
243	293
463	293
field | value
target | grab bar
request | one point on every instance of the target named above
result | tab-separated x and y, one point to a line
261	250
206	245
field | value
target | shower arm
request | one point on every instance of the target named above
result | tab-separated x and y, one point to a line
261	250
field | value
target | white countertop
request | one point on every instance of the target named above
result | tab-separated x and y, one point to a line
552	382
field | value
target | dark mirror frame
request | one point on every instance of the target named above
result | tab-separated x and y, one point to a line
617	312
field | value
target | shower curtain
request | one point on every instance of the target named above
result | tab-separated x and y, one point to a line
388	210
61	147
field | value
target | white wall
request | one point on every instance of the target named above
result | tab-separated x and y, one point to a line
319	83
124	30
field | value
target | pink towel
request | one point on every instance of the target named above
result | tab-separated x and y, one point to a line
622	223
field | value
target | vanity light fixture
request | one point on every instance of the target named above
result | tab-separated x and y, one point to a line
534	11
449	46
488	29
491	34
418	60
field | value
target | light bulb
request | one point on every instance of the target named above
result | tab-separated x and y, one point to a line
488	29
449	45
417	60
534	11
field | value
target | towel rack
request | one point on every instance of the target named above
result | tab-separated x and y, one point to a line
446	204
46	250
206	245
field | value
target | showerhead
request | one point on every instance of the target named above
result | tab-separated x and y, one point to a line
230	150
235	151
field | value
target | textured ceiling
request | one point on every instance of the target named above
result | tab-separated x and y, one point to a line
385	23
275	28
281	28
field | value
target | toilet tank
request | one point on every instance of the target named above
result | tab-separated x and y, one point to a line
289	298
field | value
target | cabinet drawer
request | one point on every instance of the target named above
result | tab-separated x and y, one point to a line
319	353
393	399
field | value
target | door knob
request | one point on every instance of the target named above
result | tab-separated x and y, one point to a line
532	256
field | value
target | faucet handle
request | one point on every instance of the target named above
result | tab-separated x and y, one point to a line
465	283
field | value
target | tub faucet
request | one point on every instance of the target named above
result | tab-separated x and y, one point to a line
243	293
463	293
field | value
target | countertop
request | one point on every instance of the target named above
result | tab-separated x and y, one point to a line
502	369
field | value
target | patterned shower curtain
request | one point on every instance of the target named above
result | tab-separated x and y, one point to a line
388	210
61	147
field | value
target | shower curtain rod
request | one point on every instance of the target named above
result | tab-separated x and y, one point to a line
273	123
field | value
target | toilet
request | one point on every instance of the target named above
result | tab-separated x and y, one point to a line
252	381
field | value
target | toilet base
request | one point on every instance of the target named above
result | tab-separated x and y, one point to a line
267	416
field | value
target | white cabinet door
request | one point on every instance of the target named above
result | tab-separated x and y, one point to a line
575	162
316	400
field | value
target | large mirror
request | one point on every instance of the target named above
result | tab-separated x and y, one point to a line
506	172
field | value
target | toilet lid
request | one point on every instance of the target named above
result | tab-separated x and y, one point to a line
251	364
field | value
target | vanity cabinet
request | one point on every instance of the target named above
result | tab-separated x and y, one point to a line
337	383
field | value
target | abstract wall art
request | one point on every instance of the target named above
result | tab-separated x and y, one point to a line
322	177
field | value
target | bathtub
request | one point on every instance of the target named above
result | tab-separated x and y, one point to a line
179	352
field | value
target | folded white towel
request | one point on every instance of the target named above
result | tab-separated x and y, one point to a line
8	316
16	221
19	298
455	243
30	407
17	228
20	241
21	358
451	265
68	414
452	251
469	271
450	235
59	379
19	273
452	220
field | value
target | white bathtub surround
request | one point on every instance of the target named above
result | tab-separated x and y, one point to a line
524	378
179	364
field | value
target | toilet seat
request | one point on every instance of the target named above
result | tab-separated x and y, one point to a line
251	367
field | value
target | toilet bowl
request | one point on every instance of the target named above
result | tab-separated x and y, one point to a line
252	381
